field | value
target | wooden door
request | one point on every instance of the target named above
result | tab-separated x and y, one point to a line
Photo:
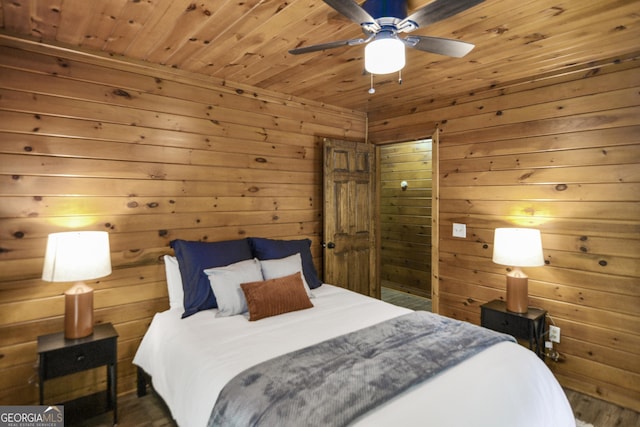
350	208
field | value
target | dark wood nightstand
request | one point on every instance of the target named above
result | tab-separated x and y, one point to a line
59	356
529	326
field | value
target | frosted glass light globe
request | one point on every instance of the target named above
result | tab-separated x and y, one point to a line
384	56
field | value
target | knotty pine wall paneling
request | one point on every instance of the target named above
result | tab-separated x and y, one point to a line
405	216
562	154
149	154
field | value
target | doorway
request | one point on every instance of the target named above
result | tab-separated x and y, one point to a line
406	170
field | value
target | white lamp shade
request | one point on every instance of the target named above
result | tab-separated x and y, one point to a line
384	56
76	256
518	247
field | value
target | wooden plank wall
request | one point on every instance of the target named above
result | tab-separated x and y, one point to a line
562	154
150	155
405	216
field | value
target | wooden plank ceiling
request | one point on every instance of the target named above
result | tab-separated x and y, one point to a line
247	42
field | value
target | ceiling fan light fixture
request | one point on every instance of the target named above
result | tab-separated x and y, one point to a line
384	56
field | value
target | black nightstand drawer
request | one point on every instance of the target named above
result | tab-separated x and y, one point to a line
68	360
530	325
513	325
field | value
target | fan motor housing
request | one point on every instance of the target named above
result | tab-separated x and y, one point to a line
386	8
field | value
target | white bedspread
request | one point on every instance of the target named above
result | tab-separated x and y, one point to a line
191	359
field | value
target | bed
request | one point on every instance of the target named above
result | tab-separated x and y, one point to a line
193	356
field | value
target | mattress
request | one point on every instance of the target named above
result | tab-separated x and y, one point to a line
191	359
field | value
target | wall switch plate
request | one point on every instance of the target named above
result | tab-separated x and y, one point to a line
554	334
459	230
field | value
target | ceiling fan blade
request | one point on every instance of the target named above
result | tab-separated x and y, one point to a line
449	47
330	45
437	11
352	10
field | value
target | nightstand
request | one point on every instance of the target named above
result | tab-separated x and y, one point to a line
529	326
59	356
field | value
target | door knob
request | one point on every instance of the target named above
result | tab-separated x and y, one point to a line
331	245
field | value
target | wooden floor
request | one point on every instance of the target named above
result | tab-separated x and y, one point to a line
404	299
151	411
600	413
134	411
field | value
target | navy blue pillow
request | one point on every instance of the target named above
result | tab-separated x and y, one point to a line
276	249
194	257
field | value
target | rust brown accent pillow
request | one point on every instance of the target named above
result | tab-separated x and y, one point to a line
275	296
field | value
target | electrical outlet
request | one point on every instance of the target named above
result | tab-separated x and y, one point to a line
459	230
554	334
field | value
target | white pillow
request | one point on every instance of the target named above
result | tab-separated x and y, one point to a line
276	268
174	282
225	283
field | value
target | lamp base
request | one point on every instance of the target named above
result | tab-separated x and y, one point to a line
517	291
78	311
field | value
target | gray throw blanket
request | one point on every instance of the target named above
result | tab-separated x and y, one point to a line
335	381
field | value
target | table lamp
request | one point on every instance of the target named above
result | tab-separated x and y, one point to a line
517	247
75	256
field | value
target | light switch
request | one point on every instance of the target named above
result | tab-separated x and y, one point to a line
459	230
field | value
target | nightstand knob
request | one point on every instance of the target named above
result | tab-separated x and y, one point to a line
80	358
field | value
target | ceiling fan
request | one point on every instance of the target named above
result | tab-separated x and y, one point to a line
383	20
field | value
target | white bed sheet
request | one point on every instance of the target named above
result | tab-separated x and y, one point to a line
190	360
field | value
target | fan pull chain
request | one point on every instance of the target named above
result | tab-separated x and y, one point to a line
372	90
400	77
